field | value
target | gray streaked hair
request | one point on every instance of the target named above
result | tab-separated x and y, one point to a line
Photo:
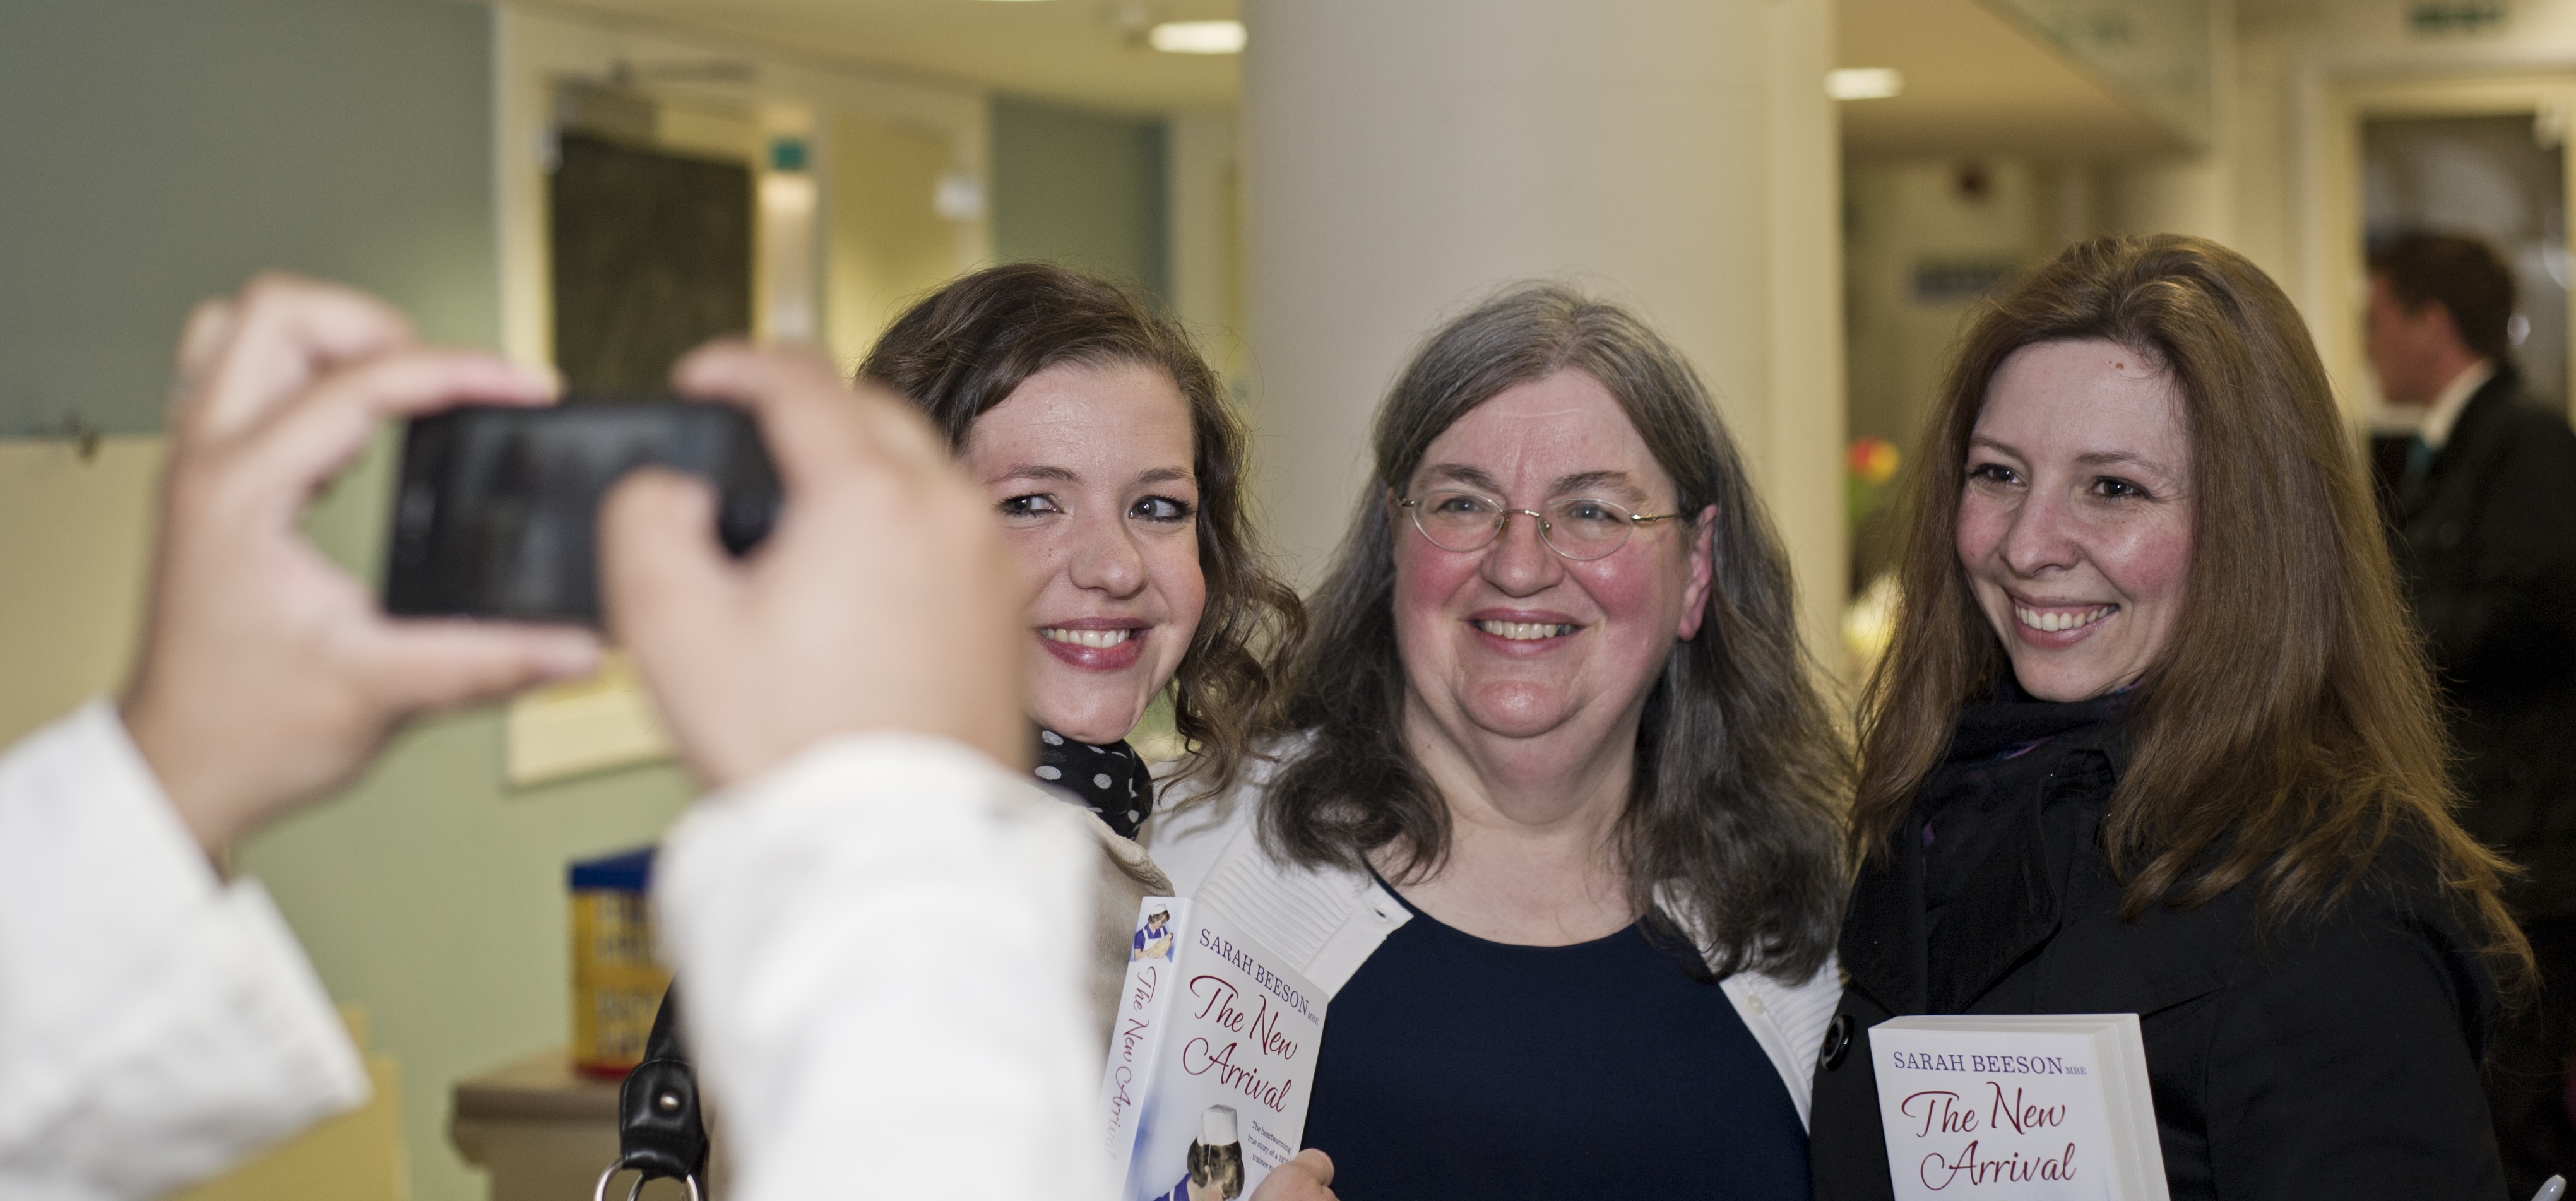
1733	830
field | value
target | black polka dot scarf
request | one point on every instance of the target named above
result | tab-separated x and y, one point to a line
1111	781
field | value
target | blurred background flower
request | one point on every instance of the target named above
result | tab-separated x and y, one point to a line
1869	471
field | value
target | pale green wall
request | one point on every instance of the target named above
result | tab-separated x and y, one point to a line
157	151
1080	187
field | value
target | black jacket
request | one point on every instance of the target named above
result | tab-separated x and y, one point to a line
2331	1057
2486	542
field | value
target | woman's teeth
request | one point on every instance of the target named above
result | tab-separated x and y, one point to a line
1524	631
2051	623
1096	639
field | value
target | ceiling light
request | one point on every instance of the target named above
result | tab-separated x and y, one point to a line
1864	83
1197	37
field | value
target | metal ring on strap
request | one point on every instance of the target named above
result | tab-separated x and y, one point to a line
600	1193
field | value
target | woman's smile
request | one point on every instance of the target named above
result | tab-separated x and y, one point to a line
1096	644
1522	633
2057	624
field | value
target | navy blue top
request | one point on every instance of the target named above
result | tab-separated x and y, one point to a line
1456	1067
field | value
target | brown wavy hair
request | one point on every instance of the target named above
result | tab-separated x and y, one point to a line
1732	832
966	347
2290	731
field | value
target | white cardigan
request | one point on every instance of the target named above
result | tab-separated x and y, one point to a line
1329	921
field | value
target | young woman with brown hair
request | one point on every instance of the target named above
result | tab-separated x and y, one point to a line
2153	737
1118	470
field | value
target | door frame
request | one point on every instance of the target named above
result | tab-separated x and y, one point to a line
758	97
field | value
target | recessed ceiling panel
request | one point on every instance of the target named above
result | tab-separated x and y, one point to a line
1091	52
1977	82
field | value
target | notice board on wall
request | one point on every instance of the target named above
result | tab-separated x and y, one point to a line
651	255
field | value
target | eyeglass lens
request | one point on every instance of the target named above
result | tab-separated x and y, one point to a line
1578	528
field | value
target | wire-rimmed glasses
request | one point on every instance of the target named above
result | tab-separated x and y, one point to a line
1578	528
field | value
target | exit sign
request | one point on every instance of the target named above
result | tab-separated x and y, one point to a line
2455	18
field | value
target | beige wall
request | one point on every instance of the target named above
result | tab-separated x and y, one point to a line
1203	205
885	243
1903	218
77	530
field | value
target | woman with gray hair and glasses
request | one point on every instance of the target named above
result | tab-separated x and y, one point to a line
1556	818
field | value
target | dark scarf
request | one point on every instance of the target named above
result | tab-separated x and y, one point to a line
2003	751
1112	781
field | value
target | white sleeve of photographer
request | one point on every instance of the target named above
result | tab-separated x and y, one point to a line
156	1022
883	944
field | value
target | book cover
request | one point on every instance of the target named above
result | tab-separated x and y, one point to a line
1211	1055
2029	1107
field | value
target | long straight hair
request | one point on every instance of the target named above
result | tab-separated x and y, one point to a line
1732	828
2290	730
965	348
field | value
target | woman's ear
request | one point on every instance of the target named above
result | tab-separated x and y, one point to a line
1703	569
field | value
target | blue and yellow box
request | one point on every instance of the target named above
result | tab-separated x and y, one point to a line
617	984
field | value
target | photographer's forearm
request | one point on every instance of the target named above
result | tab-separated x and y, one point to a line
162	1023
884	943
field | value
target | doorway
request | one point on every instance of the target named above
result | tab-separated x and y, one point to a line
2502	179
2477	155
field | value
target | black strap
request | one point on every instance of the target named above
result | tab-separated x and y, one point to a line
659	1132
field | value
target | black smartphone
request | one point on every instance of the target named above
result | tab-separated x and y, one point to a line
497	511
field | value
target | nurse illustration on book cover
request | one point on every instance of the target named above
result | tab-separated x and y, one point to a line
1215	1160
1154	939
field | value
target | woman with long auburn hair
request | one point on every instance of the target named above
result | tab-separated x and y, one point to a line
2154	737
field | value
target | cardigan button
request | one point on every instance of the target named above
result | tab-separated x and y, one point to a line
1837	1042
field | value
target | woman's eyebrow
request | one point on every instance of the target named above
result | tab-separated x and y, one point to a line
1036	471
1166	475
1460	473
1619	482
2120	458
1979	442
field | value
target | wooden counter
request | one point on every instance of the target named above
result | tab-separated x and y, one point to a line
544	1132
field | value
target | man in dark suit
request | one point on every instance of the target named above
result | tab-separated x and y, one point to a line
2483	523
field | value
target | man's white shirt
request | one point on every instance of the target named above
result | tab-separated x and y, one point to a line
2444	412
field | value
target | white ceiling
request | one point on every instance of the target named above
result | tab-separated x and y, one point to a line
1975	82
